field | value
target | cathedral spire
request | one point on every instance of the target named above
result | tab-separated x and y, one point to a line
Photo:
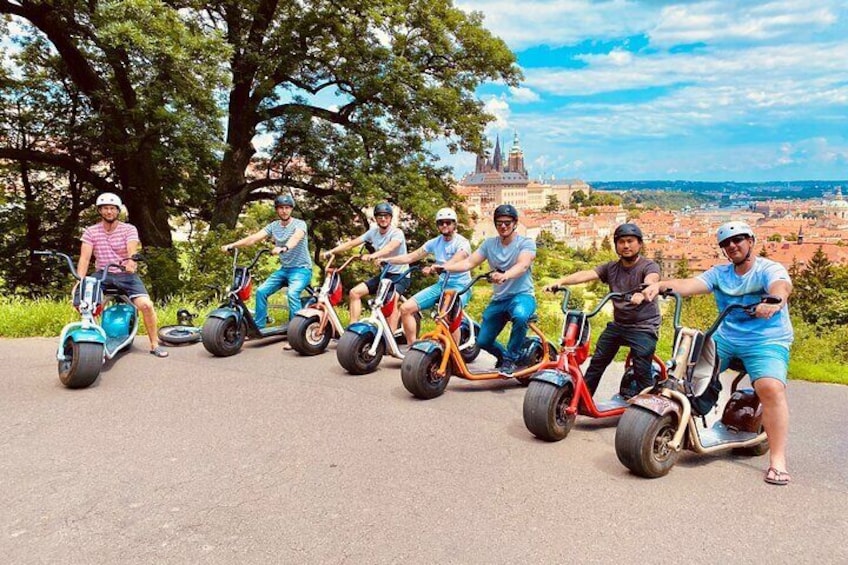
497	160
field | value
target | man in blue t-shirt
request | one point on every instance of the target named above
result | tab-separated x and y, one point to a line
447	247
513	298
761	342
291	243
387	241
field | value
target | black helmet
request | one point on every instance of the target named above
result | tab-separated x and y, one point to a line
383	208
284	200
625	230
506	210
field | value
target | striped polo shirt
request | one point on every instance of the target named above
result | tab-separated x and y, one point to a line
298	256
109	247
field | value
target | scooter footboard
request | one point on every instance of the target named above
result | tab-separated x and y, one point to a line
659	405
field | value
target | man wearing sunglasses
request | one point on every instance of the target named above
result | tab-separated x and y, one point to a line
513	299
762	343
446	247
387	241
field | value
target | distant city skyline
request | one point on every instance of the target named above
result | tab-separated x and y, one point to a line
652	90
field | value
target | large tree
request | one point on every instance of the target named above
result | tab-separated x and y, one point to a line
351	93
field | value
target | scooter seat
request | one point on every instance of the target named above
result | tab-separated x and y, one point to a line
533	318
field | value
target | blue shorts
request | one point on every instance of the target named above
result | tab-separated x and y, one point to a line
127	283
401	283
428	297
769	360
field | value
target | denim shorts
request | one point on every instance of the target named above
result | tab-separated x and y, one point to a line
768	360
428	297
401	286
128	283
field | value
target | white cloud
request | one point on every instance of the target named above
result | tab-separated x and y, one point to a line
521	95
499	108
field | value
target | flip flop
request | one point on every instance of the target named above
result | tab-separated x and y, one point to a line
159	352
775	477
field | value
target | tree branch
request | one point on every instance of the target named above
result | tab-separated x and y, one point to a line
58	160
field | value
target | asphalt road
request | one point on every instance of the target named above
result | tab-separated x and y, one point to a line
268	457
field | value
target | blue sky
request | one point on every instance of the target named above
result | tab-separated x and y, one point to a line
640	90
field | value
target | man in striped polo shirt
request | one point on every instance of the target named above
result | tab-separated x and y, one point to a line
113	241
291	243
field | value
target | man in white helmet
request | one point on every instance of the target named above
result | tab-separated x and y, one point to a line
114	241
445	248
762	343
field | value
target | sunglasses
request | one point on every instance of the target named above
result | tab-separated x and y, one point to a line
444	222
735	240
503	223
378	216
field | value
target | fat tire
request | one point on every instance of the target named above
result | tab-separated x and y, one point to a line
83	366
350	353
300	336
179	334
418	374
544	410
222	337
641	442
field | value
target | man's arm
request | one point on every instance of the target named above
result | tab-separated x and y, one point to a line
574	278
525	259
132	248
781	289
293	240
390	246
246	241
342	247
85	258
685	287
465	264
406	258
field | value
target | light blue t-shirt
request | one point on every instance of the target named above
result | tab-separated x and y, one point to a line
444	250
729	288
379	241
500	257
298	256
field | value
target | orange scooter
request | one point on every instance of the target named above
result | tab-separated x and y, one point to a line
436	356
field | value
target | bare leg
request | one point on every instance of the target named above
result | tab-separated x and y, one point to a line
407	317
356	295
772	394
148	314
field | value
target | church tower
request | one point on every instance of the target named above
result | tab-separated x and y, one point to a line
515	164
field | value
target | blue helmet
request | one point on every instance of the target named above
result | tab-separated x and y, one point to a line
284	200
506	210
625	230
383	208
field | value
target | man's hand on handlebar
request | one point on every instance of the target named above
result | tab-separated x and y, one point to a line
498	277
768	307
551	288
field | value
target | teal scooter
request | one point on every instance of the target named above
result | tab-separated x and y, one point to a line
85	345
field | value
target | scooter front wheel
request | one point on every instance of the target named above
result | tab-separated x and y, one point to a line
419	374
353	356
304	335
82	364
642	442
545	410
223	337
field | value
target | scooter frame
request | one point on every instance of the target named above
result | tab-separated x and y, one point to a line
670	399
550	417
434	380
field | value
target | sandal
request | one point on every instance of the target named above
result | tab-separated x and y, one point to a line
775	477
159	352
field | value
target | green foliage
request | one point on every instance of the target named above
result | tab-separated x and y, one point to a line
664	199
553	204
681	269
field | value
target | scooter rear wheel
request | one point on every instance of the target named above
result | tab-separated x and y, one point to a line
304	338
418	373
545	413
470	354
352	353
641	442
82	364
222	337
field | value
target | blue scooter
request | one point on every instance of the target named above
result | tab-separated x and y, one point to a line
85	345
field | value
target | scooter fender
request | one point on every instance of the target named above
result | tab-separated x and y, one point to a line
427	346
362	328
554	377
223	313
659	405
117	320
309	312
86	335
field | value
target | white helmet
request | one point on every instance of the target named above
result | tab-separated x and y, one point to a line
731	229
446	214
108	199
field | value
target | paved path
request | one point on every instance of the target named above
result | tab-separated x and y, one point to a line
267	457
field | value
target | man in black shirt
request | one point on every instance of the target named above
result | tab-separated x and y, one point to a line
636	323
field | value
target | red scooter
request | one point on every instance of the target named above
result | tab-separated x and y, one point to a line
558	392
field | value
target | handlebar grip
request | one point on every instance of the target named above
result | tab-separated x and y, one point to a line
42	252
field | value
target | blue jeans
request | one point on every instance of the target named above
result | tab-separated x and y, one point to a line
518	309
642	344
296	278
